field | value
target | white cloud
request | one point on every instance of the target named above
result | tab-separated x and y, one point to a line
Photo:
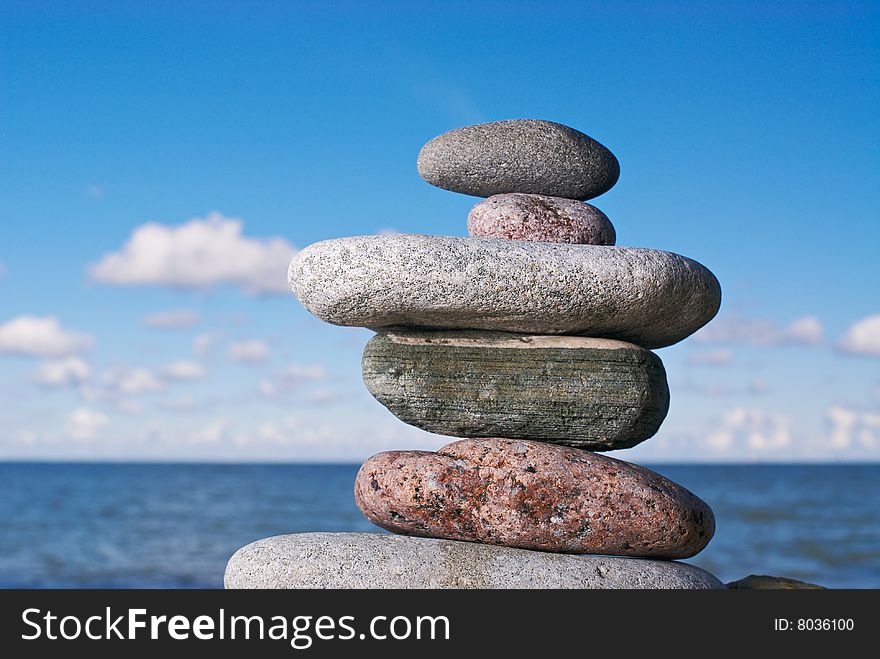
27	437
117	386
863	337
806	331
85	423
713	389
291	378
302	438
842	421
249	351
132	381
183	371
176	319
291	432
296	373
90	393
757	386
720	357
198	254
753	429
268	432
180	404
62	372
850	427
204	343
41	337
129	406
213	433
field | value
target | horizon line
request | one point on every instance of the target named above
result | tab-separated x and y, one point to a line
232	462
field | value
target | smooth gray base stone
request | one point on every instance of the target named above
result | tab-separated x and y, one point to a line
372	560
595	394
645	296
519	155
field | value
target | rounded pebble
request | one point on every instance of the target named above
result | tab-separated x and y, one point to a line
595	394
518	216
372	560
533	495
519	155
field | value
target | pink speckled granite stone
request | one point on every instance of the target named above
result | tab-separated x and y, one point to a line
518	216
533	495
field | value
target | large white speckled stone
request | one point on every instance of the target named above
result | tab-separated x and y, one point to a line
372	560
645	296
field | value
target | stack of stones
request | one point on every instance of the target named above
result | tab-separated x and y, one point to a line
532	340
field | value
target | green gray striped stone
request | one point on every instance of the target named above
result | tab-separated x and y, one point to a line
595	394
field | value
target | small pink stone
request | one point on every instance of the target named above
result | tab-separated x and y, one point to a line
519	216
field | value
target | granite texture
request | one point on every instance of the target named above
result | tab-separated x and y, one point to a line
531	495
371	560
519	155
596	394
518	216
644	296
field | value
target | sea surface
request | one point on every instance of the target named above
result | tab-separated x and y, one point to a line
175	525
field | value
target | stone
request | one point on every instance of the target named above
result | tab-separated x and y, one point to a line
645	296
595	394
532	495
763	582
372	560
518	216
520	155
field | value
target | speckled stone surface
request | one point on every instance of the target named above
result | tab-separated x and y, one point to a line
532	495
372	560
596	394
519	155
518	216
645	296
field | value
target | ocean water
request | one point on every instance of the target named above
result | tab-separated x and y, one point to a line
169	525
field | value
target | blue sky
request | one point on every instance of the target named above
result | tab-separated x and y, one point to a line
133	136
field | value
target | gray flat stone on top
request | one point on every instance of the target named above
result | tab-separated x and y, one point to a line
519	155
372	560
645	296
